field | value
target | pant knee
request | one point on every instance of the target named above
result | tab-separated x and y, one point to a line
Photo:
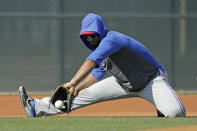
174	112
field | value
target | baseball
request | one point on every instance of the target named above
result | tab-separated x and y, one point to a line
59	104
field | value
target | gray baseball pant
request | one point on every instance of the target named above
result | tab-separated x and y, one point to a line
158	92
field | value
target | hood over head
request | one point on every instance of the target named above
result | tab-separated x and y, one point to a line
92	23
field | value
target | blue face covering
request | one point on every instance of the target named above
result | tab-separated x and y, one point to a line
93	22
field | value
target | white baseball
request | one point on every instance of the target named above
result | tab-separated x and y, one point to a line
59	104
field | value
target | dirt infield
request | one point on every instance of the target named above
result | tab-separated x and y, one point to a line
11	107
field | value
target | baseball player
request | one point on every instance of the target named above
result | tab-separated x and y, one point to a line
134	73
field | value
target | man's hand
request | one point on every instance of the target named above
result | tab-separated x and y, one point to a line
68	85
73	91
82	73
71	88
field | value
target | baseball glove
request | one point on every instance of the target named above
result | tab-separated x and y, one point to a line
64	95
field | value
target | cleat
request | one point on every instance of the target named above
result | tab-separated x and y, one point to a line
159	114
27	102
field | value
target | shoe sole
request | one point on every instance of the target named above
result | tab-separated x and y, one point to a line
22	92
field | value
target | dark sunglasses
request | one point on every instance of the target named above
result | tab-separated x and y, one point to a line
92	35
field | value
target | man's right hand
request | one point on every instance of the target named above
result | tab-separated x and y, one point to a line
68	85
71	87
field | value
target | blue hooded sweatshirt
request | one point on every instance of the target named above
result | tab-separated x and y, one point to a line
128	60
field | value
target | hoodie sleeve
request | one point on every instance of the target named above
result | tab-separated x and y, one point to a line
98	73
105	49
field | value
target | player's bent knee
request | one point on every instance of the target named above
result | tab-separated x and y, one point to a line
174	112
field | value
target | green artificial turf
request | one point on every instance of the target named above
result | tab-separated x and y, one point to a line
91	123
